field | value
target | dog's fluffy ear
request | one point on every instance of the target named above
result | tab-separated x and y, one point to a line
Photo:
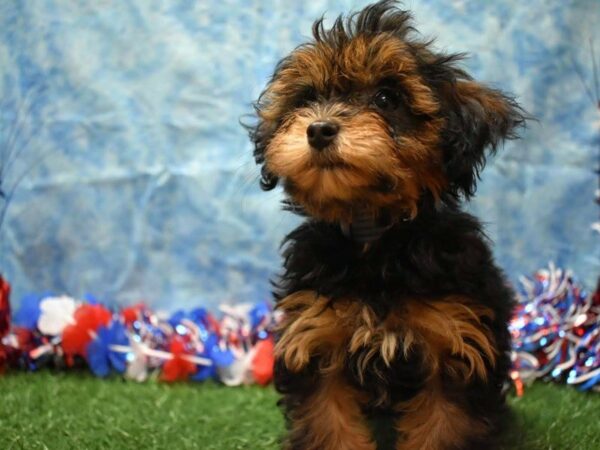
478	119
260	135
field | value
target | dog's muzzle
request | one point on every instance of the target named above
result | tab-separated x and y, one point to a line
321	134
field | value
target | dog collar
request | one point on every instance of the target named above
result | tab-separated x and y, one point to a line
364	229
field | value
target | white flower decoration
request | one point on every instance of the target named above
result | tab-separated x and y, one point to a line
56	313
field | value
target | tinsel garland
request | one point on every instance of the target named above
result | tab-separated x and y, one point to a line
555	330
138	343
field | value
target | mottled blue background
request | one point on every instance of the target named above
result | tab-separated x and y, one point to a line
143	184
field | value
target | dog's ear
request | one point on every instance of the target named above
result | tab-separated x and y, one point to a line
260	134
478	119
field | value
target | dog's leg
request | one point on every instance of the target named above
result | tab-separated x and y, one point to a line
314	326
325	412
457	346
431	421
330	418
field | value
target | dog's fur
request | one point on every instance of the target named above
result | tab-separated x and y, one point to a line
412	323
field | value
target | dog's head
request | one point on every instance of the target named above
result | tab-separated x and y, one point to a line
366	116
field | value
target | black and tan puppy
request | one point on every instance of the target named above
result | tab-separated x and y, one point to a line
391	297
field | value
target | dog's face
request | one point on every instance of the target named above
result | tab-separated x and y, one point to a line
364	117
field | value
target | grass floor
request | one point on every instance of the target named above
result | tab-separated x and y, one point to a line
78	411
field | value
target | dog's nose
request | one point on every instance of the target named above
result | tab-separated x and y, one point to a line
321	133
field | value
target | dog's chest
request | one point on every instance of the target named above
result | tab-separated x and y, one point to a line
374	352
392	353
384	359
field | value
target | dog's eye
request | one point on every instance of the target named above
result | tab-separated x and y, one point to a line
306	96
386	100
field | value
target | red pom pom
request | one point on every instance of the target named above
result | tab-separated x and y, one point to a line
25	338
263	361
4	320
76	337
177	368
4	307
3	358
132	313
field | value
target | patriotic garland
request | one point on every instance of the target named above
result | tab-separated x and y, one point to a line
139	343
555	330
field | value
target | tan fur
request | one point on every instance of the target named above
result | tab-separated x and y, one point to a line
431	422
331	418
449	333
313	326
364	151
365	148
452	336
374	339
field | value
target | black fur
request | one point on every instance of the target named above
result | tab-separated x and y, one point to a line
470	132
442	252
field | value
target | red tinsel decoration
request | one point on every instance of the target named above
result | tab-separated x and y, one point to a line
177	368
131	313
4	307
77	336
4	320
263	361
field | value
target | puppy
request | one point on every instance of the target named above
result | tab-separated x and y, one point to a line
392	302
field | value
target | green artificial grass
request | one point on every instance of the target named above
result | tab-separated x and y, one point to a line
77	411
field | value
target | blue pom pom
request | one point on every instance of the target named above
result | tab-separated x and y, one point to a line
117	335
97	358
258	313
177	317
29	310
221	358
198	316
101	357
204	373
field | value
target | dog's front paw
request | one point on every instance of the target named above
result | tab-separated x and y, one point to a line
307	337
311	327
295	355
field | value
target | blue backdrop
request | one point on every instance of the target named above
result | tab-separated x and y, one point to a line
138	180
